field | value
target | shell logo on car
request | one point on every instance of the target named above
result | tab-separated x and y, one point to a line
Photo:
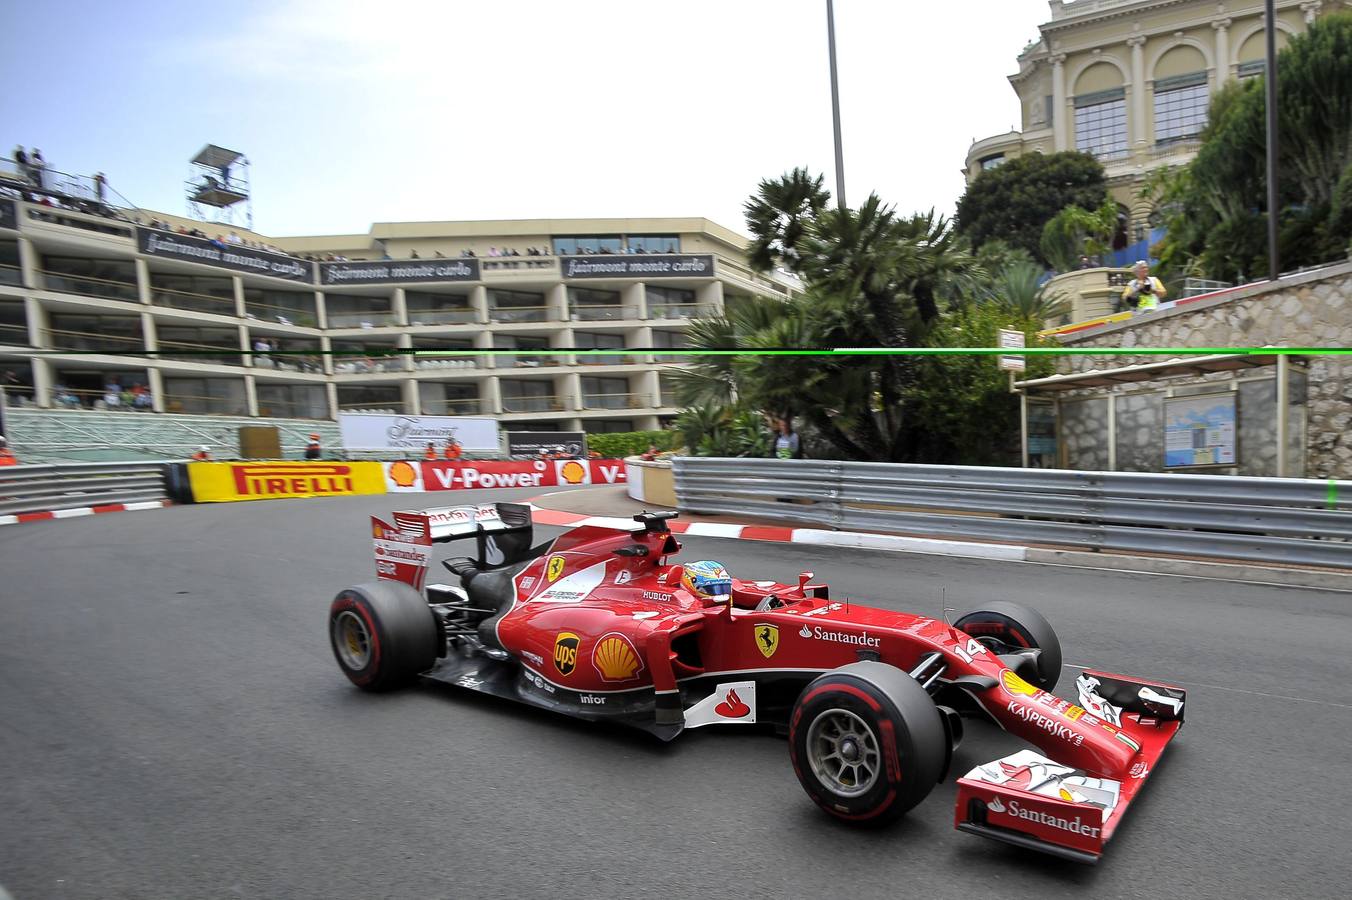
616	659
1016	686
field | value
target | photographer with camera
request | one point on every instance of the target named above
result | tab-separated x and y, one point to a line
1145	290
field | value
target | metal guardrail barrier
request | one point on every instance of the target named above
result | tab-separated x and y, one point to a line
44	488
1287	520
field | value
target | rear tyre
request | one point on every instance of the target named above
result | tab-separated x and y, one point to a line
867	742
382	634
1019	628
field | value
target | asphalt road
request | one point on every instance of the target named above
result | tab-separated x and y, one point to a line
172	724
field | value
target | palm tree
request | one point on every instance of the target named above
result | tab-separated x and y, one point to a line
1016	290
779	215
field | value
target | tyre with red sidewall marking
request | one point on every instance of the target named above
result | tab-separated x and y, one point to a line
1019	627
382	634
867	743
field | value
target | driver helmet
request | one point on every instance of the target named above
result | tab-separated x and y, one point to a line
706	578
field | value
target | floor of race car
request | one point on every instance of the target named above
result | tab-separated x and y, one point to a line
172	724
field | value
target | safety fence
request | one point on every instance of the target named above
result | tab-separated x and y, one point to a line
1295	521
27	489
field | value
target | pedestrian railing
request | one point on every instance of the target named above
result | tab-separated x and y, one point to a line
1273	520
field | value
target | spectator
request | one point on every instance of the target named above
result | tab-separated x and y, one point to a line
312	449
431	451
38	168
203	454
7	457
140	397
413	254
453	451
100	186
493	251
234	238
21	159
112	394
1085	263
786	444
1145	290
439	255
650	454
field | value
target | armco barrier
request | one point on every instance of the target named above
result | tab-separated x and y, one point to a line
1296	521
46	488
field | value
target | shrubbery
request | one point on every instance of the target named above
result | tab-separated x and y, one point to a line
631	443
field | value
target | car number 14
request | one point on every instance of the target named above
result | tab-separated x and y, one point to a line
973	649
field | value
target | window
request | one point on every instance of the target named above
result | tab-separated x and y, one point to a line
1101	123
1252	69
667	295
992	162
571	246
608	426
1180	107
605	393
654	243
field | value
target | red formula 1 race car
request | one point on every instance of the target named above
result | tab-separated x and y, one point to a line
598	624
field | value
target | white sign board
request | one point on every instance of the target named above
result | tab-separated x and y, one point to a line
1008	341
413	433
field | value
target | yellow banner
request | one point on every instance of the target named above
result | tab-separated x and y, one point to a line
282	480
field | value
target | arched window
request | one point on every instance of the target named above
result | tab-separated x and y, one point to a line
1101	112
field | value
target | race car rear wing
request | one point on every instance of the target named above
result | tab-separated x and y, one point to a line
502	533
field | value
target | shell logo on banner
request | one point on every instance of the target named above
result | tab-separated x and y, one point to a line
572	471
616	659
403	476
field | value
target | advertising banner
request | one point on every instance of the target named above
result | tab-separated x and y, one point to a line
412	434
1199	431
479	475
640	265
409	271
530	443
9	215
153	242
214	482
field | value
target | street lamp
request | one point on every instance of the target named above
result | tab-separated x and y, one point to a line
835	100
1274	266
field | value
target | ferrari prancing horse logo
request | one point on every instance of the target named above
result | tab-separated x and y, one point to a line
767	639
555	568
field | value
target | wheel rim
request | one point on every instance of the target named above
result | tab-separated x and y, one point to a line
843	753
352	640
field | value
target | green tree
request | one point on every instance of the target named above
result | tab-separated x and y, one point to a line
1075	232
1216	207
1015	292
1014	201
778	216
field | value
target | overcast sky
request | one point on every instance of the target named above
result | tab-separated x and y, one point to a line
355	111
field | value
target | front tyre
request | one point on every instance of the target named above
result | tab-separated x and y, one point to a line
382	634
1017	627
867	742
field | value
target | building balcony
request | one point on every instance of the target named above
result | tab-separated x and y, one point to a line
187	300
534	404
670	311
446	363
86	342
461	316
101	288
598	313
616	401
504	315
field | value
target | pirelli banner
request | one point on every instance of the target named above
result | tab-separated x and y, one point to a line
216	482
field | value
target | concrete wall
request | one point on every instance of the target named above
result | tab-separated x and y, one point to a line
1313	309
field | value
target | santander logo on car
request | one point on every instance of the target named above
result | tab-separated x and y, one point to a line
818	633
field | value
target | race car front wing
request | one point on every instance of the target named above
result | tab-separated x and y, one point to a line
1037	803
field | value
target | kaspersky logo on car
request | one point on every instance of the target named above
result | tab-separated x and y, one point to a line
281	479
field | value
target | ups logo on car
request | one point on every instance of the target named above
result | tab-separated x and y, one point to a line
565	652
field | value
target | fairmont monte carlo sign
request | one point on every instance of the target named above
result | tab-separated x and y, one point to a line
404	271
167	245
638	266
